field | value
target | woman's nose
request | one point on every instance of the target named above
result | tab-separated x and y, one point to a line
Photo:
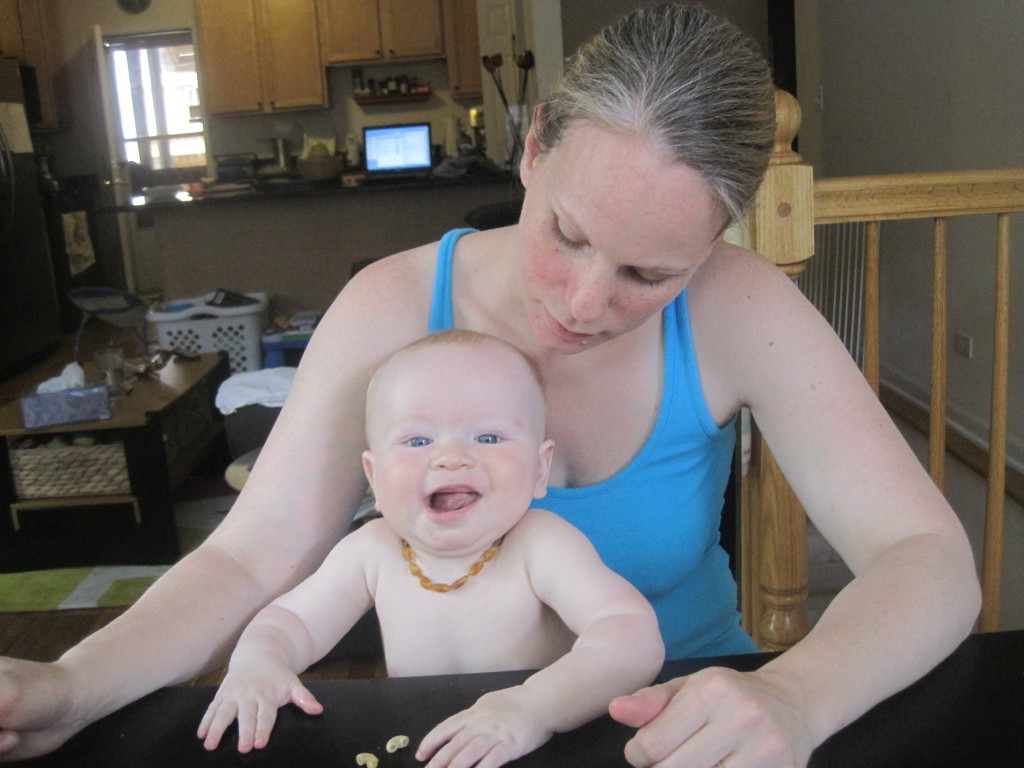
588	294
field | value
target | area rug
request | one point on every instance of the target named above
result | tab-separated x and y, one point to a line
108	586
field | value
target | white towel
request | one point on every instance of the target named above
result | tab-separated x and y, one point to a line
77	242
268	387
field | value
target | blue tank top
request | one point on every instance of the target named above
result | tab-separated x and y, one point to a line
656	521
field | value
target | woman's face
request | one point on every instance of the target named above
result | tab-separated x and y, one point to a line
611	233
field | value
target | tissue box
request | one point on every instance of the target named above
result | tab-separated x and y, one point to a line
69	406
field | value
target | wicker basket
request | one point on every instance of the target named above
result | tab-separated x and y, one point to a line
78	470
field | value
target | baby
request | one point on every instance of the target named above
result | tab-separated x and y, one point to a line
465	576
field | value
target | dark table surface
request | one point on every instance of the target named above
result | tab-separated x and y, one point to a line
967	712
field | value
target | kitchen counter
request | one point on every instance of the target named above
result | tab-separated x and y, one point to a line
300	242
290	187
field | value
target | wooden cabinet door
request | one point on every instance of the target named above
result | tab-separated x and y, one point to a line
289	54
229	66
411	29
462	48
41	42
349	30
10	30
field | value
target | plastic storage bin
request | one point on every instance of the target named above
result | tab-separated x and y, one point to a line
281	349
194	325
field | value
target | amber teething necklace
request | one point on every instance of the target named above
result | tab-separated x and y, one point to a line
474	569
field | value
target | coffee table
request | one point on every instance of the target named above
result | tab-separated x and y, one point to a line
119	508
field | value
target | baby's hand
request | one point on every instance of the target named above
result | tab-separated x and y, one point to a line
495	730
254	701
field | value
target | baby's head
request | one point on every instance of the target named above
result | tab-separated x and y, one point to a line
455	424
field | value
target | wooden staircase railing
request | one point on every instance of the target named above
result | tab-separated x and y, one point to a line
773	548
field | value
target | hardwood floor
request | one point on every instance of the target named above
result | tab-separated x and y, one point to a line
45	635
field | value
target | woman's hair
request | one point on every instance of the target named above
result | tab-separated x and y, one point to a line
689	80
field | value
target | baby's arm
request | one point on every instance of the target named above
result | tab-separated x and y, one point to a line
261	678
618	650
282	640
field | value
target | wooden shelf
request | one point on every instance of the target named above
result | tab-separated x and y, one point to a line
393	98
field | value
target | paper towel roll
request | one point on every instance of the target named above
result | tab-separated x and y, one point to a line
451	137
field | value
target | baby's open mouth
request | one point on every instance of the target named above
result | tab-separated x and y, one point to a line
452	499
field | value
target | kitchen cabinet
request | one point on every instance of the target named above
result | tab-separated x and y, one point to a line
379	30
462	48
259	56
28	32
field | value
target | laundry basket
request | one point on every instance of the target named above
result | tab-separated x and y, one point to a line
195	325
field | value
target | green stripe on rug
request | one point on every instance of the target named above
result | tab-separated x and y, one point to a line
39	590
111	586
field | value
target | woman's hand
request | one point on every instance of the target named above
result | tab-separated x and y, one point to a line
495	730
35	714
715	717
253	698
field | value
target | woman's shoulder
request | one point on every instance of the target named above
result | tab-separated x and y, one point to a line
742	287
403	272
387	299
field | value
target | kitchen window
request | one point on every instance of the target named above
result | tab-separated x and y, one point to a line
157	96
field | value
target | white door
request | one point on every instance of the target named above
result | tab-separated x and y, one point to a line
117	166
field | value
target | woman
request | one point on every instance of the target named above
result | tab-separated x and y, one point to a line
651	333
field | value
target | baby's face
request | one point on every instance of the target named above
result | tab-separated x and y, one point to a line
457	449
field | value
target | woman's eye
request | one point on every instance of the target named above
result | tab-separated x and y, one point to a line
418	442
489	439
564	239
639	277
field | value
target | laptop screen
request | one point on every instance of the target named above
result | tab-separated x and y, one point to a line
397	149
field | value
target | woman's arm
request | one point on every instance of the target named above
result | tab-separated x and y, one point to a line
295	506
915	594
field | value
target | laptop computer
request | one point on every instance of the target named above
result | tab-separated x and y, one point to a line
397	152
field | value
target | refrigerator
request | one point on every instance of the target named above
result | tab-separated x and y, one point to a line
29	314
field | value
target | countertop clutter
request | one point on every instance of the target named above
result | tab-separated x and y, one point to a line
271	187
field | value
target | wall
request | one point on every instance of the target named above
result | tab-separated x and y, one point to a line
583	18
302	250
928	87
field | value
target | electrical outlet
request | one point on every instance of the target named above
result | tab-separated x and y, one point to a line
963	345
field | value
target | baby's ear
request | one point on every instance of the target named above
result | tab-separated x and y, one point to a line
368	470
546	451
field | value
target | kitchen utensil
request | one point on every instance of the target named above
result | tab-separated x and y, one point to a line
236	167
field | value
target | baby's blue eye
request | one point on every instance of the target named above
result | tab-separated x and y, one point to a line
489	439
418	442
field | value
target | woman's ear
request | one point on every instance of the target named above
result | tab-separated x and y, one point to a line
531	147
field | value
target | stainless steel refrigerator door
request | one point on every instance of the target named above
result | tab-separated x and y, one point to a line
29	320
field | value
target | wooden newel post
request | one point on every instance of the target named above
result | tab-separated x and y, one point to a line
774	526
